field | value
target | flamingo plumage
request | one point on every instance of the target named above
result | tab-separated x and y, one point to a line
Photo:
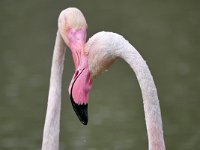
90	59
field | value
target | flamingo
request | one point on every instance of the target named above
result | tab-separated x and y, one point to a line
90	60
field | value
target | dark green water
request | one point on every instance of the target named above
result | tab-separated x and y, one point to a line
166	34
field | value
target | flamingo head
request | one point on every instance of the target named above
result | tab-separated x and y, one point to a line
72	26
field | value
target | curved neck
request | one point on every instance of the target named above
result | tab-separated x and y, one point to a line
52	121
149	94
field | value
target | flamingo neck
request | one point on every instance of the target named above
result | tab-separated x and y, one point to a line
52	121
149	94
104	48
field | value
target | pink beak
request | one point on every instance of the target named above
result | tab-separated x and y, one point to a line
81	82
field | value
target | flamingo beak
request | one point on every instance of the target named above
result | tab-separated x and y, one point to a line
81	82
81	110
79	93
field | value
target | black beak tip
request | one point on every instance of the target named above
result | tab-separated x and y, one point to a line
81	111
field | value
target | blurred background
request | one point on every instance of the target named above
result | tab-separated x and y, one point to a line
167	35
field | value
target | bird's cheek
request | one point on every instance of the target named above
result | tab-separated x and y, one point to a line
77	39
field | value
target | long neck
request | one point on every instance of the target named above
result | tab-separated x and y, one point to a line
52	121
149	94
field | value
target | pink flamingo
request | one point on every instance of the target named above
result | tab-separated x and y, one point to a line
90	60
